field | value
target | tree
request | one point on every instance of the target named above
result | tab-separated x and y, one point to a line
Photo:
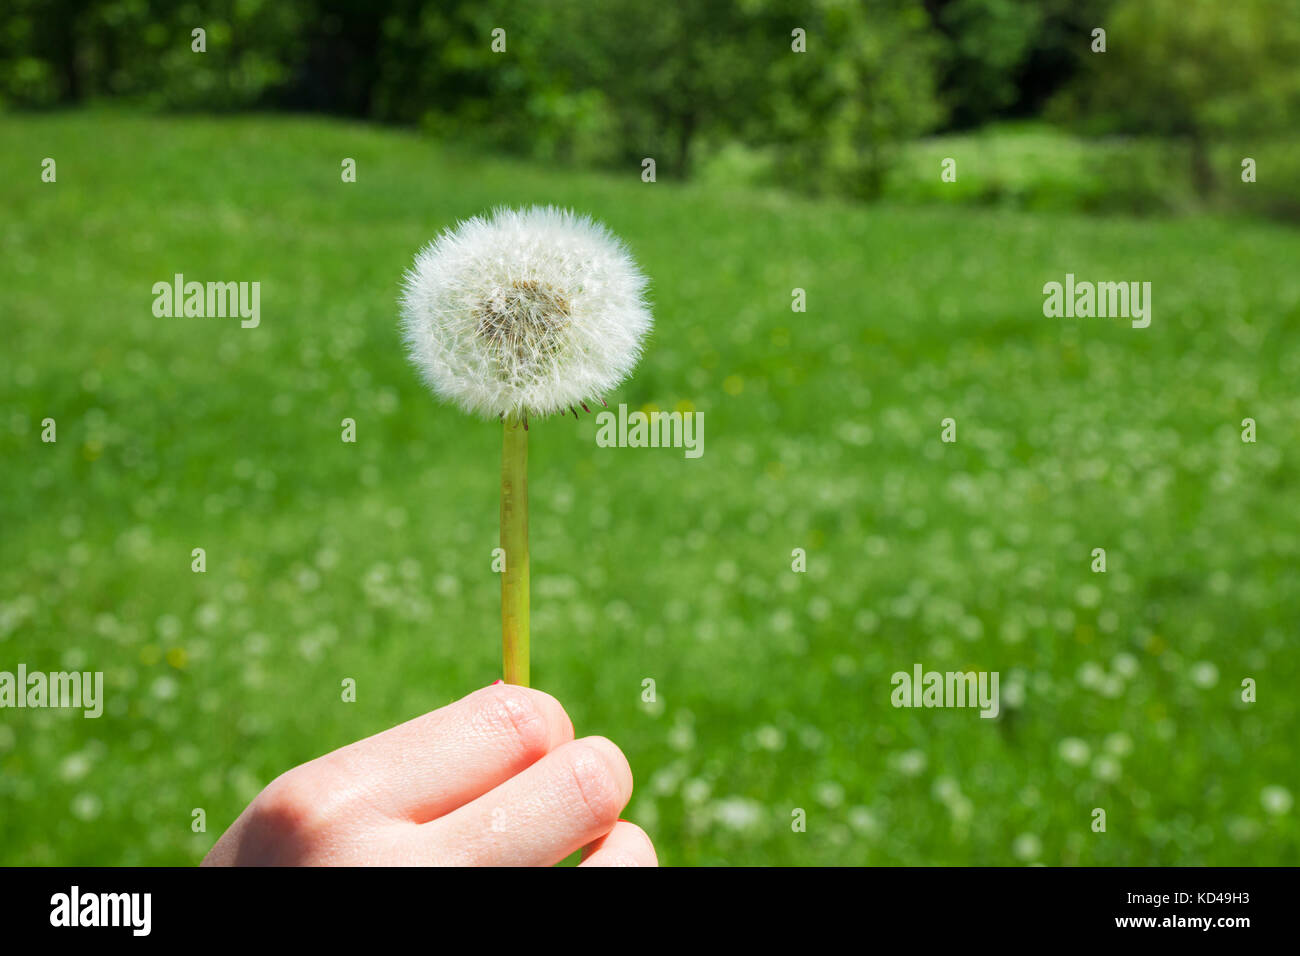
867	84
1198	70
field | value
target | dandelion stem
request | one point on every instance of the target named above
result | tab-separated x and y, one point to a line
514	542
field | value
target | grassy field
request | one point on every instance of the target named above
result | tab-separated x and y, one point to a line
372	561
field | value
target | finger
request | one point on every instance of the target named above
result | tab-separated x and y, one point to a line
429	766
625	845
566	800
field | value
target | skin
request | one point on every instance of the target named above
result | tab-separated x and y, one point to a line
495	779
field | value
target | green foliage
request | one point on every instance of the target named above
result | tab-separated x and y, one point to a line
1200	71
1007	58
1033	165
65	51
990	39
839	113
667	72
372	560
579	81
1199	68
715	83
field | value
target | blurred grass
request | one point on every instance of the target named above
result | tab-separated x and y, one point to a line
371	561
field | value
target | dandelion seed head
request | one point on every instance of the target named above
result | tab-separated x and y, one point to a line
524	312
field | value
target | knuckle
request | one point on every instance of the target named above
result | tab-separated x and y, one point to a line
291	803
595	776
511	713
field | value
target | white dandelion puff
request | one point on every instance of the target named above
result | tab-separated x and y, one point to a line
524	312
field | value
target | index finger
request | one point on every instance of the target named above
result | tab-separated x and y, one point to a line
429	766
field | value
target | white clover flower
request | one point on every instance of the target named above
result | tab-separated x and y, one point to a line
525	312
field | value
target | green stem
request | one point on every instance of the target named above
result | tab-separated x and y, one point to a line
514	542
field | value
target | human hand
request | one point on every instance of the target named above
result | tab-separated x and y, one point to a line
495	779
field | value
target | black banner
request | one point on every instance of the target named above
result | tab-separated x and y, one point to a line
1166	906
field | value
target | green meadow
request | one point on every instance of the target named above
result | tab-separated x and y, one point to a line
768	735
